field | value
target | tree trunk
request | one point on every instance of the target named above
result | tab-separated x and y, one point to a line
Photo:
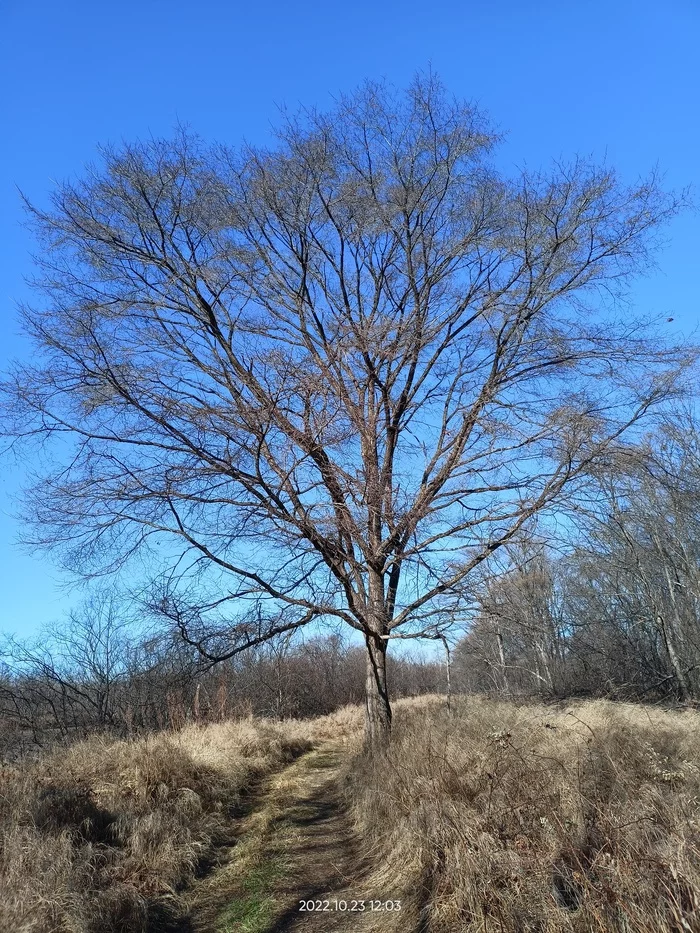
545	661
681	680
502	664
448	671
377	707
675	637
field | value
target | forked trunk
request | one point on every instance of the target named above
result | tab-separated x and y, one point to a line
377	707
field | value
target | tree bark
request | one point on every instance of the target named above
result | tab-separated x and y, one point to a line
669	641
377	706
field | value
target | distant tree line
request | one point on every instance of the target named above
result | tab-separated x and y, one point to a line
97	674
616	612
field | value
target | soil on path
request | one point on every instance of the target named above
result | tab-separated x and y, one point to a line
296	845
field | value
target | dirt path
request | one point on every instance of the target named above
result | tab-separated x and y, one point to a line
296	845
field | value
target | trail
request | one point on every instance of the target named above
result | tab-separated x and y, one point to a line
295	845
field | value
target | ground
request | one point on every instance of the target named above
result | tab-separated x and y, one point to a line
296	844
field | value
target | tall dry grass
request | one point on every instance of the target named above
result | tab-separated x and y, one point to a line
102	837
497	818
503	818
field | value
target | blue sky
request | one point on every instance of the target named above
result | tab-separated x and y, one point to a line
618	80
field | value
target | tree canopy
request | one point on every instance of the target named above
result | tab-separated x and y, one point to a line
335	375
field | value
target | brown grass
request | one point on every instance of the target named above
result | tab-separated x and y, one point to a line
580	818
500	818
102	836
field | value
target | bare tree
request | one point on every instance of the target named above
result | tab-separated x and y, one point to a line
328	380
643	547
72	677
523	611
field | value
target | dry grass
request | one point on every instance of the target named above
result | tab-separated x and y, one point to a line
499	818
580	818
102	836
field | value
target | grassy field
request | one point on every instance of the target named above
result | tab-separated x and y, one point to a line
536	818
499	817
105	835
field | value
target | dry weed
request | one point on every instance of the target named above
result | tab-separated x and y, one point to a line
533	818
101	836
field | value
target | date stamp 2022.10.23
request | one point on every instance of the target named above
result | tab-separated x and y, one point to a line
350	906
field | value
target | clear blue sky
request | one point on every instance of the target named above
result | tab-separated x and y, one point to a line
617	79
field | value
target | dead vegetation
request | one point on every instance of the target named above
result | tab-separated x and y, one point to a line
104	836
499	817
533	818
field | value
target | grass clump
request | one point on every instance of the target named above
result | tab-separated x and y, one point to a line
103	836
534	818
254	907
